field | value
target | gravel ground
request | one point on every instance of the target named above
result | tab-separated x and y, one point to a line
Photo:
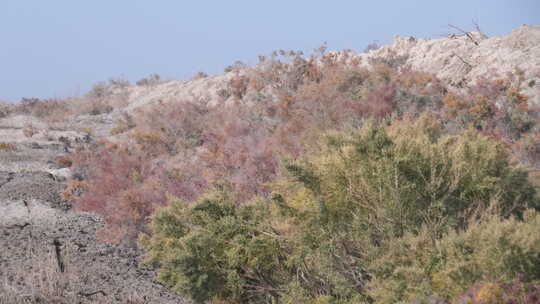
51	251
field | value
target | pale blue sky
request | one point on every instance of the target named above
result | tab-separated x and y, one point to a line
60	48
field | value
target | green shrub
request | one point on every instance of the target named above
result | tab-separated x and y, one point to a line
416	267
366	190
320	238
411	176
214	249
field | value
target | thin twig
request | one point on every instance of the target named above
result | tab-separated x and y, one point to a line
463	60
464	33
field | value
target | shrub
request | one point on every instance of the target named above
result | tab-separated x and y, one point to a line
495	250
517	292
124	185
410	176
48	109
7	146
239	153
29	130
123	124
152	80
26	103
216	250
119	82
318	240
527	149
283	105
114	188
174	128
5	109
98	107
100	90
64	161
372	47
199	75
495	107
238	86
391	59
236	66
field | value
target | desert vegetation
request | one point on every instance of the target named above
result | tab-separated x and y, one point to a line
102	98
7	146
319	180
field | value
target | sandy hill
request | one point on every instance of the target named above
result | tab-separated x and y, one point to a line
458	59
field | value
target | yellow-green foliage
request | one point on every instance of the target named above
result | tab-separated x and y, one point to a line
391	182
216	250
321	237
7	147
417	267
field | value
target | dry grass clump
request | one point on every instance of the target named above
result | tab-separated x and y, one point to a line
5	108
103	98
151	80
64	161
50	110
124	124
45	280
7	146
29	130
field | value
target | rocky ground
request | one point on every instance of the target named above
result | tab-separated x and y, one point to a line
49	251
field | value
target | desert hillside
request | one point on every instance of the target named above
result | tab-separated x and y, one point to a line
459	60
405	174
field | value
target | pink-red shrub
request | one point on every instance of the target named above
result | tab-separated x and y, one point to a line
182	148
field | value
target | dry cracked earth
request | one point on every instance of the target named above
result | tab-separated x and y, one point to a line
49	253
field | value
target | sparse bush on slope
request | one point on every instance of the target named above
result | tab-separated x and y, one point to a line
151	80
319	240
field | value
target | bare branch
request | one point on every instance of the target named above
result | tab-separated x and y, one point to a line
478	29
464	33
463	60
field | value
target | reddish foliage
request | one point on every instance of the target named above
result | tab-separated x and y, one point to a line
183	148
517	291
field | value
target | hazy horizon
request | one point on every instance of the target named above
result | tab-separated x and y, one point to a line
61	48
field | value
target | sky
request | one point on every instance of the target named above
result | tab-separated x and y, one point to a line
61	48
